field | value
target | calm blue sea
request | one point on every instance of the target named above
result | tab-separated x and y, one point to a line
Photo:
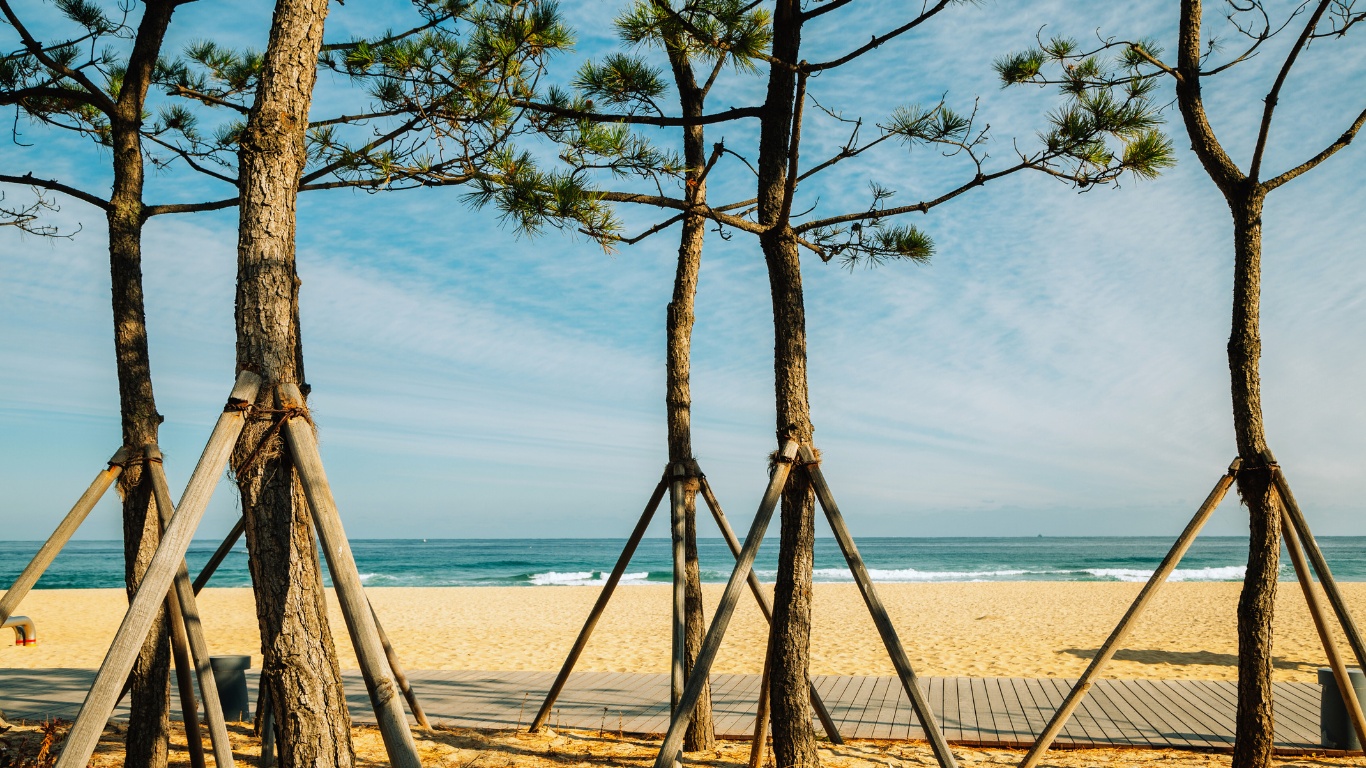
531	562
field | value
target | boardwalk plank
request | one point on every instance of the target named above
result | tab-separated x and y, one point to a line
1126	725
1003	711
1186	730
1152	727
984	715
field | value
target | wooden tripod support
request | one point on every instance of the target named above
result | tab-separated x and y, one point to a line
360	618
65	529
1292	523
786	456
400	676
185	616
167	580
671	478
157	582
180	640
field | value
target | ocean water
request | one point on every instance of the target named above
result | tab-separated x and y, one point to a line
536	562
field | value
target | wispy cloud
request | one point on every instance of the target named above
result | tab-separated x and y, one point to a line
1058	369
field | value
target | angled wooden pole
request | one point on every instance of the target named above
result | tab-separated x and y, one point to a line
186	611
580	642
701	671
219	554
758	746
1126	623
1345	687
180	650
400	676
1330	584
189	710
267	730
885	628
678	523
360	620
48	552
827	722
156	582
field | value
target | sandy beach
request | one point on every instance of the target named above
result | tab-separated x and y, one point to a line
1029	629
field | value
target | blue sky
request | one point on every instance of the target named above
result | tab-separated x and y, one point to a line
1058	369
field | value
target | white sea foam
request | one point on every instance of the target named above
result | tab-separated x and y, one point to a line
913	575
582	578
1219	573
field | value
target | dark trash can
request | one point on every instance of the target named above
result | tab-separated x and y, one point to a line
230	673
1335	727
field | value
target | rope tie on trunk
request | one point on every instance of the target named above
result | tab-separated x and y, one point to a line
277	417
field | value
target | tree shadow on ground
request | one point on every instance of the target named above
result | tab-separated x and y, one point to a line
1183	658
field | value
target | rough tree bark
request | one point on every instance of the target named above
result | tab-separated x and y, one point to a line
300	670
701	735
1254	727
794	738
1253	743
149	721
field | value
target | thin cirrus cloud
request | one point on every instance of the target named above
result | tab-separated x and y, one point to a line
1058	369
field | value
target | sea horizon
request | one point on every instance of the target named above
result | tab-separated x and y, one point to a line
561	561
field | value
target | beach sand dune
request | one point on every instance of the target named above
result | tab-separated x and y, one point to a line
1019	629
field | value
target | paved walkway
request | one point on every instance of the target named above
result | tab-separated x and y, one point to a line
989	711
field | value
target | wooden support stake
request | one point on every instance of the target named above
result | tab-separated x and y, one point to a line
180	650
360	621
1121	630
581	641
758	747
156	582
189	711
885	628
267	729
701	671
1330	584
186	612
219	554
678	523
400	676
827	722
48	552
1345	687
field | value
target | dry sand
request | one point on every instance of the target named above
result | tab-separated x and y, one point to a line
1028	629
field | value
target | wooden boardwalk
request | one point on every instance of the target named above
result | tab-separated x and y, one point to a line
992	711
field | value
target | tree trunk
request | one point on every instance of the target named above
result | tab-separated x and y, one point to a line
794	738
149	714
701	735
300	670
1255	726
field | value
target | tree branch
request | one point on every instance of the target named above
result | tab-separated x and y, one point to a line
1328	152
920	207
824	9
1274	94
29	179
878	41
68	95
189	93
1220	167
794	147
334	165
99	99
390	39
682	205
735	113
